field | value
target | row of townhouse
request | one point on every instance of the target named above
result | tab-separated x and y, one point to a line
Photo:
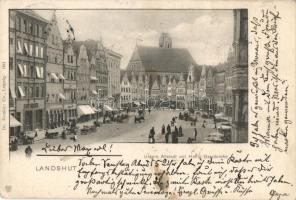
52	80
152	89
212	93
215	87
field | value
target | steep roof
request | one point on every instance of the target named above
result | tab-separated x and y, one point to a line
165	59
90	45
176	60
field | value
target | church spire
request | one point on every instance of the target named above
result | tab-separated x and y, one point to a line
165	41
54	17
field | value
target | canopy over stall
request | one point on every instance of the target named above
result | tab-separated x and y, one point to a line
107	108
85	110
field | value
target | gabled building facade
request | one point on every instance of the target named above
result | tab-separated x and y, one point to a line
125	94
101	70
83	76
70	84
54	76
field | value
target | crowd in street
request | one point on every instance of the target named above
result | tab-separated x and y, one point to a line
172	131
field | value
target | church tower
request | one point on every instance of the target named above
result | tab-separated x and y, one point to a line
165	41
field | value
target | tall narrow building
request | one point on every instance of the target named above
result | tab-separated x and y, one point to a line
54	76
102	70
28	62
70	87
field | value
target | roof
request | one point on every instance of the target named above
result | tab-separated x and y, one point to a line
32	14
90	45
165	59
175	60
113	53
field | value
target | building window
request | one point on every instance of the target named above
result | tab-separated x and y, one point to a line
32	71
40	31
10	40
37	30
37	91
11	63
17	23
25	25
31	28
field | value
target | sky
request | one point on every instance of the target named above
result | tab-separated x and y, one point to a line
207	34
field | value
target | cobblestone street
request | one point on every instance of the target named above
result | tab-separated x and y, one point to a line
131	132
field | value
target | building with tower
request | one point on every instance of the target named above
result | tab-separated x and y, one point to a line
163	65
165	41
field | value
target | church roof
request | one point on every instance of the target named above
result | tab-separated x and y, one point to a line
165	59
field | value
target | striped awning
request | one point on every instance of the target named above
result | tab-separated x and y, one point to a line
62	96
12	92
21	91
61	76
53	75
14	122
85	110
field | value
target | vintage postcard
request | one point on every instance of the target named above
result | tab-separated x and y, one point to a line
148	99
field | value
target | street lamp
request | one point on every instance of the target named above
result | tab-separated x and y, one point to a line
146	91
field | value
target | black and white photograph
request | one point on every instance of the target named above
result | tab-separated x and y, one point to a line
134	99
127	76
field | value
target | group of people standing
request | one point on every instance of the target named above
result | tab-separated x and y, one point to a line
173	132
170	130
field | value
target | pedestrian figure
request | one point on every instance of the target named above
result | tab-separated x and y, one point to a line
195	134
167	138
176	131
46	133
64	133
163	129
169	129
203	124
176	137
180	131
173	137
28	151
149	110
75	137
189	140
172	123
36	134
151	135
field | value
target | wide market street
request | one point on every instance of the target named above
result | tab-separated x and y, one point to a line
131	132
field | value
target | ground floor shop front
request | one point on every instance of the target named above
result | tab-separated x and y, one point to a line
30	113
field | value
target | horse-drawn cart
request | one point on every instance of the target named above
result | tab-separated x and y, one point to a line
52	135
